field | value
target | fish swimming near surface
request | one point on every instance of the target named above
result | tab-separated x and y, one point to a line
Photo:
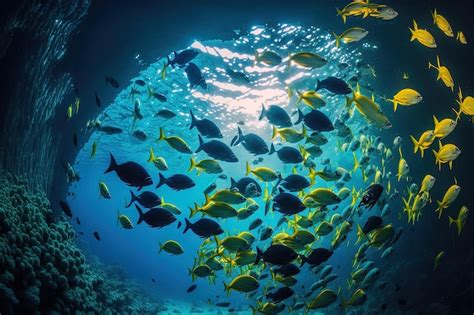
207	128
276	116
288	155
251	142
132	173
195	77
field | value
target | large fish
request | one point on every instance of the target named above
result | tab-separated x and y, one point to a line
131	173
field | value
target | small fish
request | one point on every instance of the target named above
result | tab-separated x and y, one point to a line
165	113
75	140
97	99
405	97
268	58
437	259
460	220
443	74
96	235
191	288
66	208
461	37
104	190
113	83
443	24
125	221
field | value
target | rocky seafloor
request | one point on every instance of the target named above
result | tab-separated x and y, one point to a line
42	270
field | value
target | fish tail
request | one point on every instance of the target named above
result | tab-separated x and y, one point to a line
422	151
192	164
152	155
437	161
440	208
458	224
247	168
318	82
338	38
140	215
201	143
416	144
356	162
259	256
303	260
160	247
161	181
263	113
272	149
162	135
360	234
112	165
133	198
458	35
300	117
193	120
233	183
239	138
433	14
274	132
187	226
435	120
149	91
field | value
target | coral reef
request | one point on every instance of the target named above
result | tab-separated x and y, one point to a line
43	270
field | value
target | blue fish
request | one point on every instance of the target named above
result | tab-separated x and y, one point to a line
195	77
334	85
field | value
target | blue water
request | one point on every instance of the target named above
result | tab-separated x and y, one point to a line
226	103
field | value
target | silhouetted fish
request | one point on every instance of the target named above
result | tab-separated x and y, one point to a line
334	85
131	173
206	127
288	155
155	217
176	182
251	142
276	116
96	235
203	227
148	199
114	83
217	150
195	77
65	207
315	120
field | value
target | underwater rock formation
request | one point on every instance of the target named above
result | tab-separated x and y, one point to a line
44	270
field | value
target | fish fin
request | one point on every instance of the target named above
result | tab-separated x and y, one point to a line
201	143
247	168
192	164
416	145
162	180
435	120
162	135
193	120
133	198
438	62
152	155
263	113
338	38
140	214
187	226
272	149
274	132
112	166
300	117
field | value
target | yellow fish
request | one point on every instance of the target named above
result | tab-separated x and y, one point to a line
403	168
446	154
443	24
312	99
427	183
461	38
423	36
159	162
466	105
461	219
437	259
69	112
208	166
265	174
369	109
124	221
444	127
426	139
448	198
289	134
443	74
104	190
307	60
94	149
405	97
355	8
353	34
175	142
